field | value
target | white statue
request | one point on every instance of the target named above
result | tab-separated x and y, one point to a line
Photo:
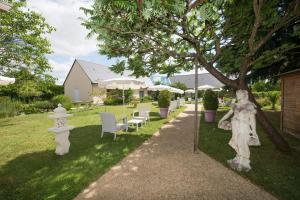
243	127
62	130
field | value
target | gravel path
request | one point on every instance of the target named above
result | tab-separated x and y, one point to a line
165	167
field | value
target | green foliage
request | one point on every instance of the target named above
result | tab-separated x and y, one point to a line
146	99
64	100
115	97
210	100
164	99
167	36
113	101
8	109
29	90
263	86
29	86
263	102
179	85
28	45
273	97
43	106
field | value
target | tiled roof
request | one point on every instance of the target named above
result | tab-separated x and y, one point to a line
97	72
203	79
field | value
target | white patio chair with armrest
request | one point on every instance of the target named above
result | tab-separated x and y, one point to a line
173	105
182	102
143	112
110	125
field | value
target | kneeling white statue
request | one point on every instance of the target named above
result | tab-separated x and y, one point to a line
243	126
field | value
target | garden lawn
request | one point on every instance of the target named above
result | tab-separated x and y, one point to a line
276	172
29	168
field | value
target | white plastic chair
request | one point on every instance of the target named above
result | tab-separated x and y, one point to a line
143	112
182	102
173	106
110	125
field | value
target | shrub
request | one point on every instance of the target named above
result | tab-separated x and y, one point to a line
4	99
273	97
29	109
164	99
113	101
210	100
43	106
62	99
263	102
8	109
146	99
118	94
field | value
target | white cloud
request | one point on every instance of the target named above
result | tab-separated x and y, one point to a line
61	69
69	39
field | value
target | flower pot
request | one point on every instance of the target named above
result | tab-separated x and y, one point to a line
210	115
164	112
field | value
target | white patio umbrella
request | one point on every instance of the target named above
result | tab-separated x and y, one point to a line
192	91
207	87
210	87
165	87
6	81
123	83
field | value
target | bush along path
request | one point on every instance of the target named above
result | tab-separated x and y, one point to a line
165	167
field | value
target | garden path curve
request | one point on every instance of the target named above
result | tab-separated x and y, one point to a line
165	167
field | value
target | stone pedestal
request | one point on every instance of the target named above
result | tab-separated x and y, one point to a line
61	129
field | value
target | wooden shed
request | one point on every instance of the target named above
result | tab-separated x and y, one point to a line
290	103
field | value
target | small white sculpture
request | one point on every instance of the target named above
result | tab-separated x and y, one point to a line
61	129
243	126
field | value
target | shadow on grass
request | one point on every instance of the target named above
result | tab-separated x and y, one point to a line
4	123
277	172
44	175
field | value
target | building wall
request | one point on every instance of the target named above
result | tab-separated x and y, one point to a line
290	116
77	85
136	93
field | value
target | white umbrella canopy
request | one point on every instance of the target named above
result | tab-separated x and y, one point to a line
207	87
6	81
190	91
123	83
165	87
179	91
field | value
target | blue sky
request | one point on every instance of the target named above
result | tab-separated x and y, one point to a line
69	41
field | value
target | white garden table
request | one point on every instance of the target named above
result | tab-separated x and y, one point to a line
135	122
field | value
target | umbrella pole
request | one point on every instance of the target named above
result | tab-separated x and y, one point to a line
196	133
123	96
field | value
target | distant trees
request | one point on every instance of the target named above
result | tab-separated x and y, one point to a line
23	49
30	86
179	85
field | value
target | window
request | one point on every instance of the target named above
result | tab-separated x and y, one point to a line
141	94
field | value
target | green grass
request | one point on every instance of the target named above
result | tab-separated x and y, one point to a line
29	168
276	172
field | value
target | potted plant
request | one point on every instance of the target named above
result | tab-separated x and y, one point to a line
211	104
164	103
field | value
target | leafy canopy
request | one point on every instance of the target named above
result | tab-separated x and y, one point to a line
224	37
23	42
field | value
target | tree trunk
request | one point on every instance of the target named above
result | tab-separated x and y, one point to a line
273	134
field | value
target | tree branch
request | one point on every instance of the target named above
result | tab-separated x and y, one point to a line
257	4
